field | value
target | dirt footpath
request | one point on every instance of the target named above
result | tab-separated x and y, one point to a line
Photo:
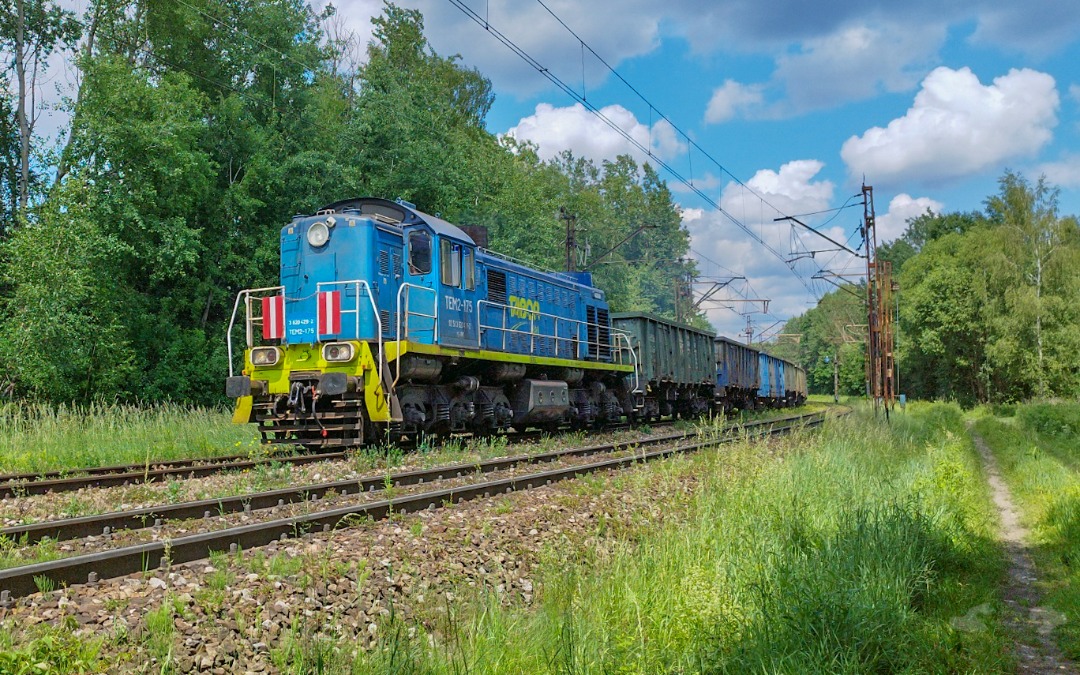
1033	625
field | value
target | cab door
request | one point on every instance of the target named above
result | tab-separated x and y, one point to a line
417	296
457	293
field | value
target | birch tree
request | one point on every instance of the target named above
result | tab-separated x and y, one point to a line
1032	235
30	30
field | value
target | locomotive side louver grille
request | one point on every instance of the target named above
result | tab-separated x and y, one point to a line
384	264
397	264
496	287
384	319
590	318
605	333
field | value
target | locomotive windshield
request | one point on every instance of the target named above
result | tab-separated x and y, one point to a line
419	252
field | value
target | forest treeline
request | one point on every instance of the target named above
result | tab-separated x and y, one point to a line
989	305
199	127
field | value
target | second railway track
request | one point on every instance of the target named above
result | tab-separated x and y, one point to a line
25	484
24	580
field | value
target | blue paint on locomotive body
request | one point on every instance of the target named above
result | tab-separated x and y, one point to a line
430	284
527	311
353	253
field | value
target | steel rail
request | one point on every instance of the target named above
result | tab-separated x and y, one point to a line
23	484
116	468
19	485
154	516
89	568
40	487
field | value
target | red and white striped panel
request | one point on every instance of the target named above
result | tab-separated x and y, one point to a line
273	312
330	313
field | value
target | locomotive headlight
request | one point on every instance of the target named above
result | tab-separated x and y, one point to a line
338	352
265	356
318	234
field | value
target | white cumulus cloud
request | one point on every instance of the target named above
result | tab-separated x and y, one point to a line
733	99
1064	173
790	190
903	208
958	126
576	129
723	248
851	64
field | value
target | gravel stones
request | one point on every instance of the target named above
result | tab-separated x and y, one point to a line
241	612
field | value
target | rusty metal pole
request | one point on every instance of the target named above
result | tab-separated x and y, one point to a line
571	231
879	289
873	382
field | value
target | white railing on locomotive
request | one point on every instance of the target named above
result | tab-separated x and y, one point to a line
621	344
620	341
356	285
578	327
529	264
403	314
533	316
250	319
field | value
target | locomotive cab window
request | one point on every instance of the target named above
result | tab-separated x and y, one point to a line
450	262
470	269
419	252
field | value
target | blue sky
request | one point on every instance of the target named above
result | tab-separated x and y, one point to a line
931	101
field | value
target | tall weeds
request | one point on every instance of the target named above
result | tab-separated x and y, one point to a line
850	554
42	437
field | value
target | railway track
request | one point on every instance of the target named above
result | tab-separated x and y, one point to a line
154	516
24	484
89	568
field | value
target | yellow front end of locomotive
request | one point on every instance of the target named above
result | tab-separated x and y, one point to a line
331	367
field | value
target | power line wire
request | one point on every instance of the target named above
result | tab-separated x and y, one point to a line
572	93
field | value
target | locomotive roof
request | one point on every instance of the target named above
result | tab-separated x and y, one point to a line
398	213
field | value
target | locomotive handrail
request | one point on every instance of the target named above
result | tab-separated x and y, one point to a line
358	283
533	315
402	290
531	265
624	337
248	319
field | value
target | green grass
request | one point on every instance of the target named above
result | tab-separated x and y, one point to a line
854	552
1039	456
36	438
51	649
46	438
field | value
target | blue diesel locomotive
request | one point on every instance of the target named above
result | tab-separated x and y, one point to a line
390	320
